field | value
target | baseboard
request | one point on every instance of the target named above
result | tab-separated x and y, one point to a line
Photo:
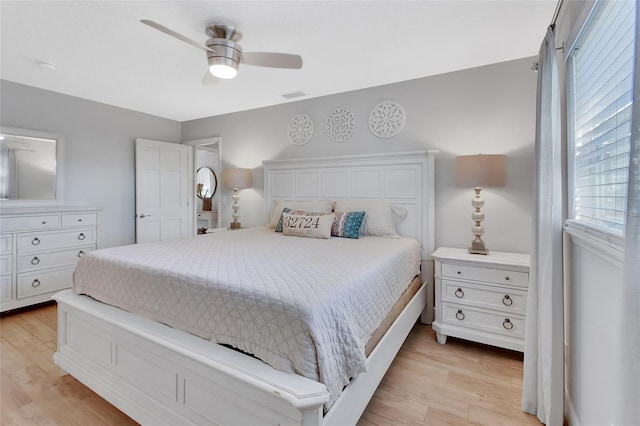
570	415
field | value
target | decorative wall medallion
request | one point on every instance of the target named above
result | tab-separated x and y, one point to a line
300	129
386	119
340	125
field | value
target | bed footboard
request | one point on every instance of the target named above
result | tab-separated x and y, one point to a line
158	375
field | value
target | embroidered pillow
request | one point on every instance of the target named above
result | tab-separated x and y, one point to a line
298	212
309	206
347	224
307	225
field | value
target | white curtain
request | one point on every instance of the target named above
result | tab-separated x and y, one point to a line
543	389
630	363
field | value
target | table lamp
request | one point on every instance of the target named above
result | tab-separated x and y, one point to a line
478	171
236	179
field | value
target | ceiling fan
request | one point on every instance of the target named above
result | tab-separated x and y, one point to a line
225	55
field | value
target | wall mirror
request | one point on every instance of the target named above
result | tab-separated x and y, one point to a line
30	167
206	183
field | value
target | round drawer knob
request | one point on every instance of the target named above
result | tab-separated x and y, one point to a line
507	324
81	253
35	241
459	272
459	293
79	220
81	236
460	314
35	260
507	301
35	283
506	278
44	222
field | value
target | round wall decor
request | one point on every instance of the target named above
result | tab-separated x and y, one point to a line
300	129
386	119
340	125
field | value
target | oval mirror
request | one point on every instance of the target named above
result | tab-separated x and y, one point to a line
206	183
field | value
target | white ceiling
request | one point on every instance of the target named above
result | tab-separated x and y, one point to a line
103	53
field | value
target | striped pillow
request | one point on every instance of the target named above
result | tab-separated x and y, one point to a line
347	224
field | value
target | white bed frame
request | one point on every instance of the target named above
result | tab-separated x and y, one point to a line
162	376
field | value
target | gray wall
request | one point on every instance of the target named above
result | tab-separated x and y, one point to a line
488	110
99	150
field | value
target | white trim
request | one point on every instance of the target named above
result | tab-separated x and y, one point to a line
570	411
603	244
584	16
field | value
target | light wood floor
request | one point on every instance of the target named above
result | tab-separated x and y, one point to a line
459	383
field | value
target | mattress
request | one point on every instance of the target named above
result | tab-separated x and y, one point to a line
302	305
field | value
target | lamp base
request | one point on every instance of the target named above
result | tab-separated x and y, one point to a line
477	247
235	225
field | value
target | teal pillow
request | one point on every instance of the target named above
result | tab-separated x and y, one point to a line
347	224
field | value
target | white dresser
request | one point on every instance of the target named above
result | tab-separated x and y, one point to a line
39	248
481	298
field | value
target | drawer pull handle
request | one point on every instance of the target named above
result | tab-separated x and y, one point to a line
459	293
507	324
35	260
44	222
506	278
459	272
81	236
35	241
81	253
79	220
507	301
35	283
460	314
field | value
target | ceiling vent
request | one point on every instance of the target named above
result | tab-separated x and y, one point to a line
293	95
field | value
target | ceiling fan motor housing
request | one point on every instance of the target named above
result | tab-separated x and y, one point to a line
226	52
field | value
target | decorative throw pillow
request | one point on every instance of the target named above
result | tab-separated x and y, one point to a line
306	225
347	224
298	212
309	206
378	218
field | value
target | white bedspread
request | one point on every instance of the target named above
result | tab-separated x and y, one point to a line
302	305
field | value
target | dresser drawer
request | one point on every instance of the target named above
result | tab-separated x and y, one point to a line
6	283
497	276
479	319
28	223
6	264
34	283
36	261
484	296
38	241
6	244
78	219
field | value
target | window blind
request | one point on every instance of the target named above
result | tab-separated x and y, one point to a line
603	66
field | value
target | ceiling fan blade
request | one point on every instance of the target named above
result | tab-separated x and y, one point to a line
209	79
176	35
271	60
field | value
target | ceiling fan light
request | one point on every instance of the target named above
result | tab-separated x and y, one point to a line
223	71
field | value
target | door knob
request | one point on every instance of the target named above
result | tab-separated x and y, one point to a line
142	216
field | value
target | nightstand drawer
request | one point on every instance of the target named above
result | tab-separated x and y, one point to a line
479	319
496	276
484	296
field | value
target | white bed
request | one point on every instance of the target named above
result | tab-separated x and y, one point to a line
160	375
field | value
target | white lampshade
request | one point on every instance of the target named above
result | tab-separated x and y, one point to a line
236	178
481	170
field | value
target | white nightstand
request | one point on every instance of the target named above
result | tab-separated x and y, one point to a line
481	298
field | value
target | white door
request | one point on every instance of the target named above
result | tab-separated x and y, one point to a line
162	193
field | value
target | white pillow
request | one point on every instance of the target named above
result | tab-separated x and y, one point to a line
380	217
310	226
308	206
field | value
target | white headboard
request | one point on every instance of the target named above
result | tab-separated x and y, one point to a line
405	179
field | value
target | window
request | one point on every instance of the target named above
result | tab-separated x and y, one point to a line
601	93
